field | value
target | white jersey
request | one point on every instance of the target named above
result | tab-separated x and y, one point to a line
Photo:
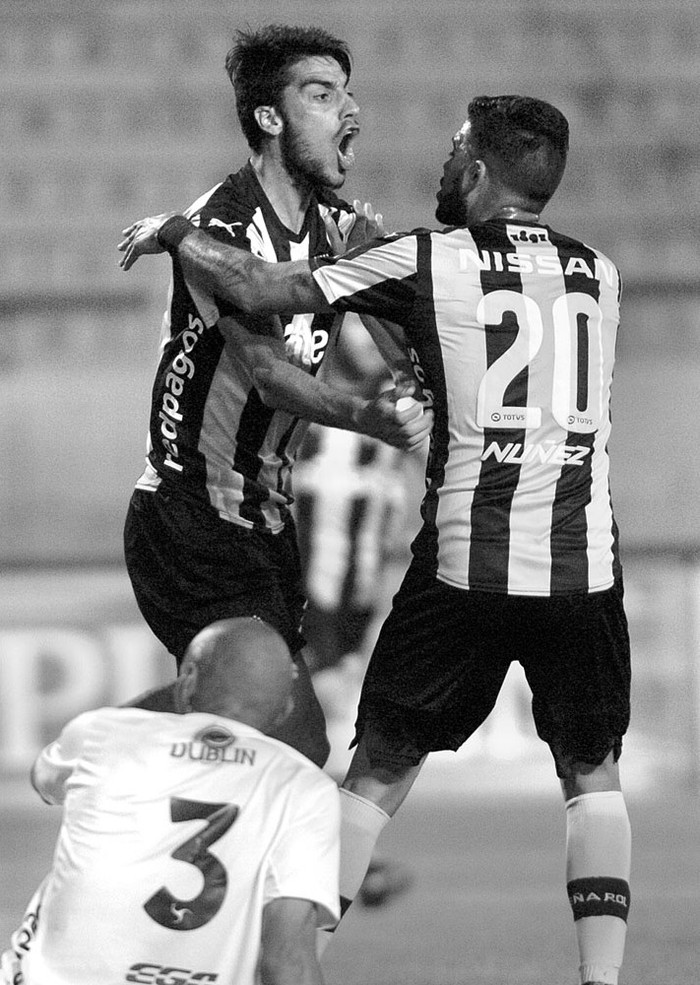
177	830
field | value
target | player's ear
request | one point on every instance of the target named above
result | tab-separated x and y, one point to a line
269	120
185	685
289	707
475	172
285	713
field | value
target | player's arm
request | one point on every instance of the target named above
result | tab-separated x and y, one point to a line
288	943
227	272
287	387
302	884
55	763
256	287
389	340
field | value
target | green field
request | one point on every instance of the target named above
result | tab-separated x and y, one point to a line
488	906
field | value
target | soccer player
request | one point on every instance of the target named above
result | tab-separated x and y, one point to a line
209	534
192	845
511	327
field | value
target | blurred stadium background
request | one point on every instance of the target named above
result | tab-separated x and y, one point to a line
114	110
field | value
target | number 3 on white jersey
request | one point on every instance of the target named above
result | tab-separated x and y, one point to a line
568	365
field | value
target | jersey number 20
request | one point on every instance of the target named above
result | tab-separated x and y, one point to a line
571	362
178	914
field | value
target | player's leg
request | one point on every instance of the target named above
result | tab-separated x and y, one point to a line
305	728
581	709
189	569
379	778
422	692
345	487
598	860
376	785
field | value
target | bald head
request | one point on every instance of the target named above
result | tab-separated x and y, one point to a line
239	668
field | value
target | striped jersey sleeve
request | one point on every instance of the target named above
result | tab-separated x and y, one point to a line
511	329
378	278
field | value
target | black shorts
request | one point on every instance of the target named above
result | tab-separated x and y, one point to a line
443	653
189	568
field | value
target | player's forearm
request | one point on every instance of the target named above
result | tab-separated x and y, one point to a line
289	388
253	285
288	944
389	340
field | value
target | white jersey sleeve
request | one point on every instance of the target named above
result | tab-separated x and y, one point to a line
56	762
305	861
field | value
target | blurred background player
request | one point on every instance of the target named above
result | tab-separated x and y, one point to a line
350	498
190	840
351	494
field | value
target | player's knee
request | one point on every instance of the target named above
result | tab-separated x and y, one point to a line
580	775
384	767
387	752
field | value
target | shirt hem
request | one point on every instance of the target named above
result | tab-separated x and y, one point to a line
492	590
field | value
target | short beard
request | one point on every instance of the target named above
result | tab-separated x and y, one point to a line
300	164
451	211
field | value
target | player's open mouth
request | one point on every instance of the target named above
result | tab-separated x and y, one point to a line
346	155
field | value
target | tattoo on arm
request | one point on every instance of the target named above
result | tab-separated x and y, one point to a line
253	285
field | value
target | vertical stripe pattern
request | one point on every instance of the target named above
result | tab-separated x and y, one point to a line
210	431
512	331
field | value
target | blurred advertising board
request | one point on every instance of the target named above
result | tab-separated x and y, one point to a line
70	640
73	638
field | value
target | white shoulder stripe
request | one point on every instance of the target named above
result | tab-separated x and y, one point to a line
199	204
393	259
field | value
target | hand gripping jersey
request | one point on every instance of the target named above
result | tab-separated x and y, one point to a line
177	830
511	329
210	433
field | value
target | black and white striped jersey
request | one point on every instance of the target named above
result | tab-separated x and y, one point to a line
210	433
511	328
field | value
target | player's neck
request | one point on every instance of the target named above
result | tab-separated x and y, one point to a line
289	200
517	213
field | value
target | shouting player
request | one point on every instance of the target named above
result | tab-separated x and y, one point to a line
511	327
209	534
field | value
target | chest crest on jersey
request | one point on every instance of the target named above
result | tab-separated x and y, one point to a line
215	736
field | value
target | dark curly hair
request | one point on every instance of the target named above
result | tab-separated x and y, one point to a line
524	140
258	66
